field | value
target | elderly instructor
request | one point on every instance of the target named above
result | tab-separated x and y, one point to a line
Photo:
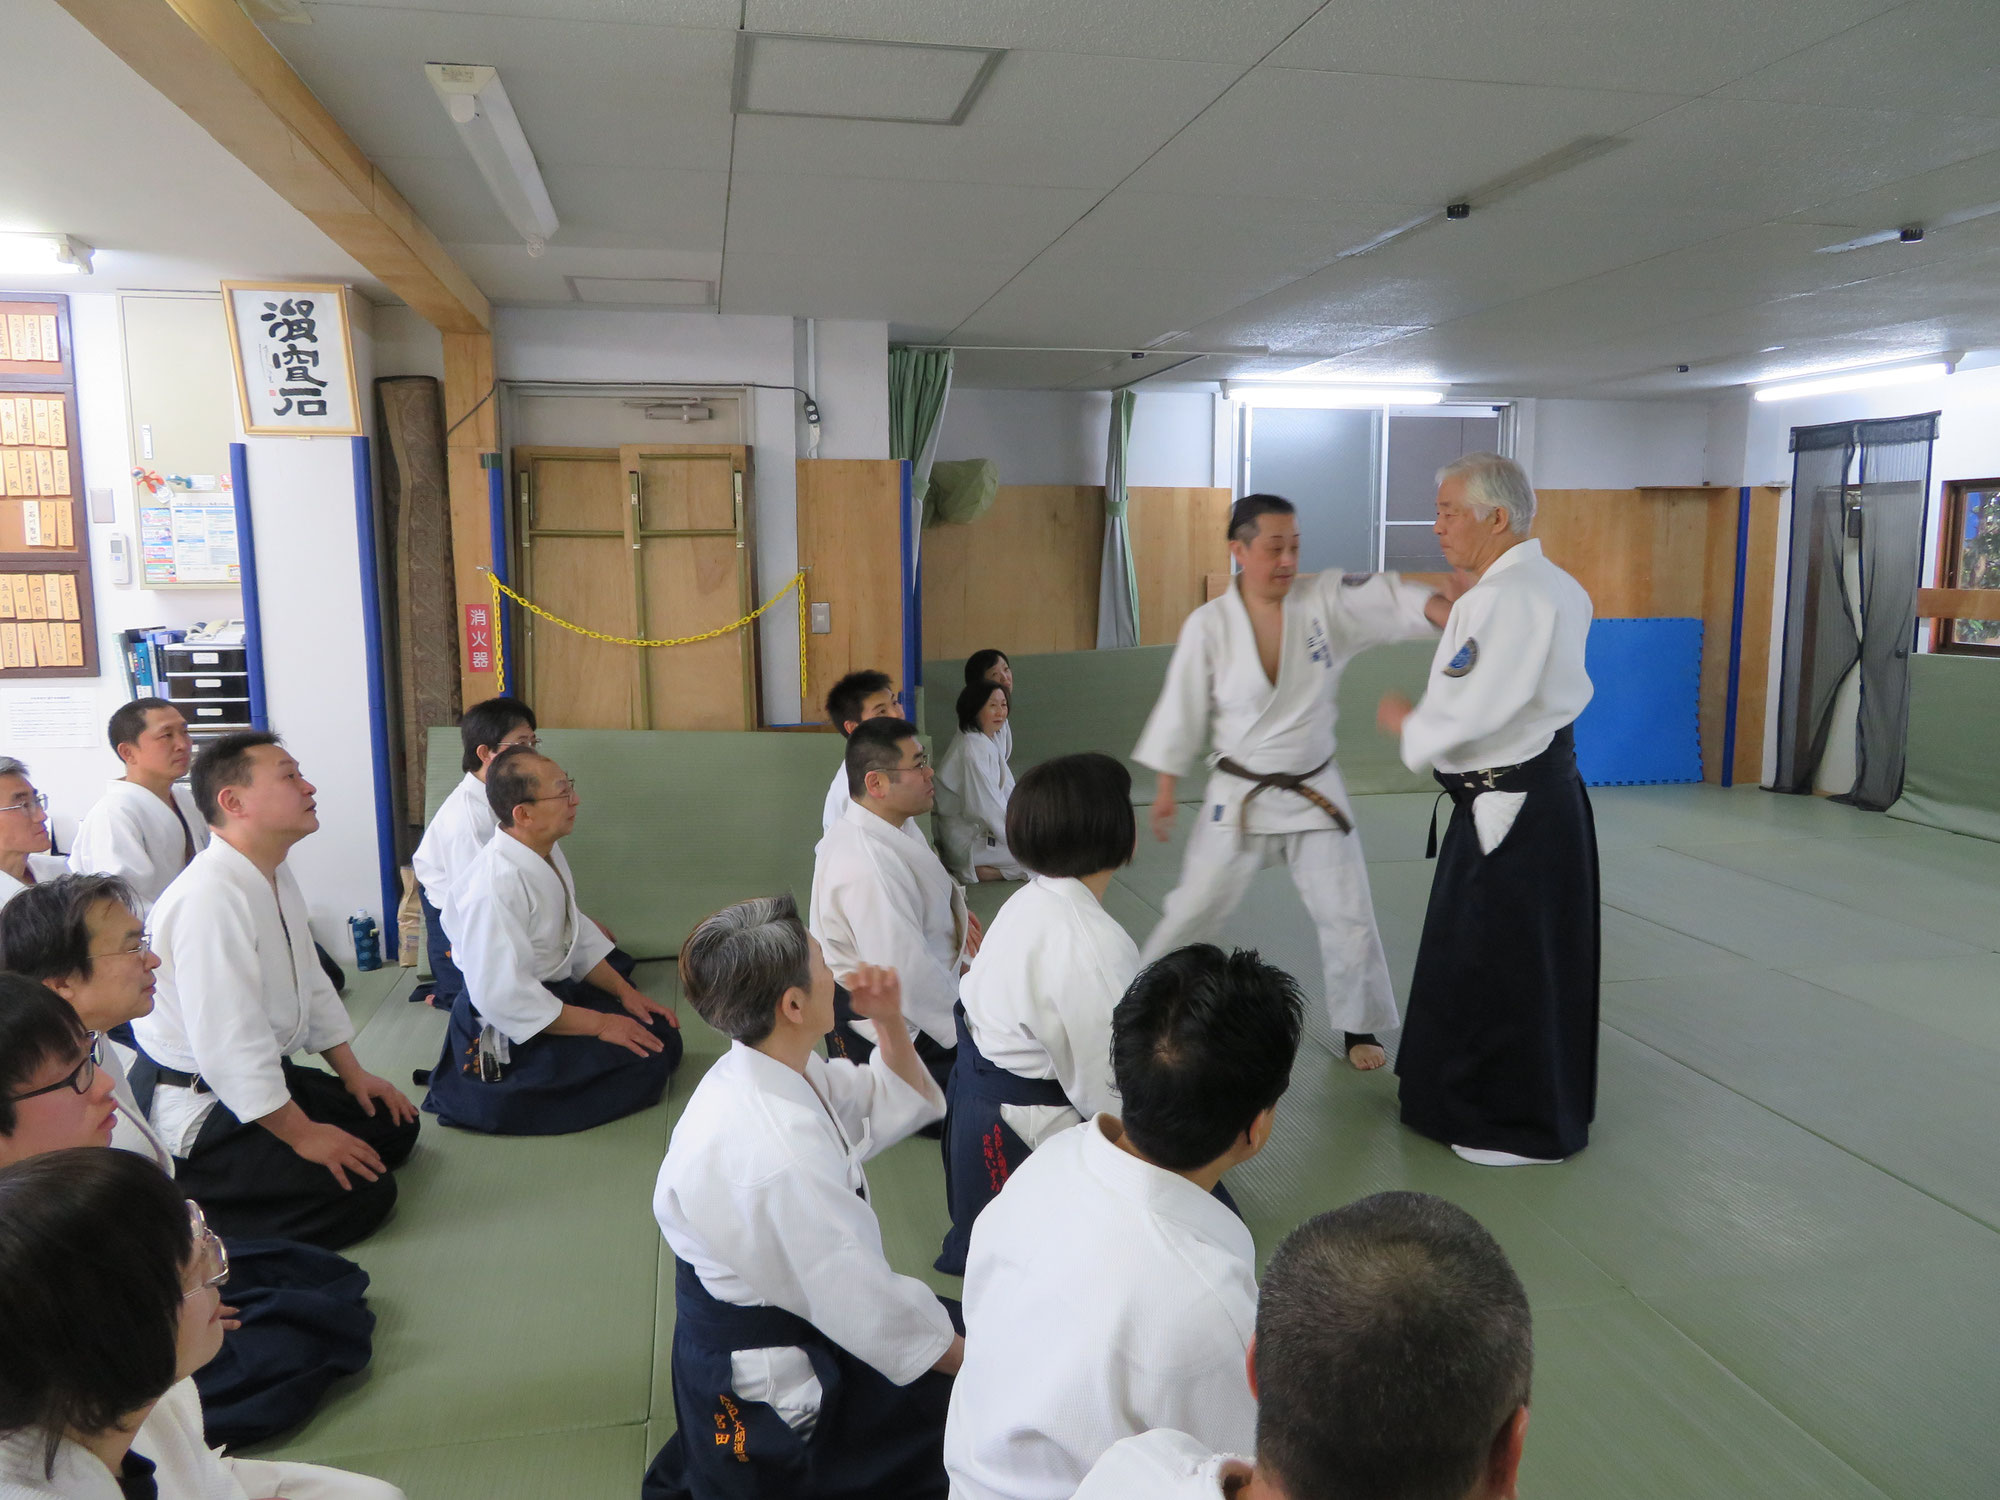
1499	1052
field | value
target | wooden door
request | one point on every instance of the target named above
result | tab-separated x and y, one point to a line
850	544
643	542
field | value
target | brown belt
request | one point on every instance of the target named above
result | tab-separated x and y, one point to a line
1284	781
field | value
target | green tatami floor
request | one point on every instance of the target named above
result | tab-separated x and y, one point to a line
1774	1274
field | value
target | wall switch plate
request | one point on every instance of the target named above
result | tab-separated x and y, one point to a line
103	507
821	616
118	549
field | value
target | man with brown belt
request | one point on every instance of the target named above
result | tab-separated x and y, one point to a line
1253	677
1499	1058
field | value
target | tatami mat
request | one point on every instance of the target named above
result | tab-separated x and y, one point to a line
1770	1276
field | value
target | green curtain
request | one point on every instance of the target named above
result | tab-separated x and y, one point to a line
1118	582
919	381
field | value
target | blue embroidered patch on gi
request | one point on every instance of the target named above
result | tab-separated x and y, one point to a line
1316	648
1354	580
1466	659
1216	816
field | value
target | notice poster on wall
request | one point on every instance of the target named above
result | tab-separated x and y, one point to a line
189	539
294	358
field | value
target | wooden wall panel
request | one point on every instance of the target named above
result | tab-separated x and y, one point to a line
1022	577
1638	553
850	544
1179	536
1760	582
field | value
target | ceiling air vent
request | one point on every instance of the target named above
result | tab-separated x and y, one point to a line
840	78
643	291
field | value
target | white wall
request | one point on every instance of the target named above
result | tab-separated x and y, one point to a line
405	344
1060	437
1614	445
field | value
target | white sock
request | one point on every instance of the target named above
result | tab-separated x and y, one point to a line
1481	1158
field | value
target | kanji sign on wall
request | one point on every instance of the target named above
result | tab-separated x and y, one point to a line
294	358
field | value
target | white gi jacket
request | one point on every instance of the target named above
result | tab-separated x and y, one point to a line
130	1130
973	785
1216	692
1508	674
1039	997
880	896
837	798
130	833
461	827
1158	1465
239	989
186	1468
514	925
41	866
763	1194
1103	1296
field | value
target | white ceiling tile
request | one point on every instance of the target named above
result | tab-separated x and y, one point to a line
932	293
1009	370
1686	47
507	273
1048	118
1921	199
633	209
595	93
1274	238
1108	305
1932	56
716	14
1284	133
1240	31
858	219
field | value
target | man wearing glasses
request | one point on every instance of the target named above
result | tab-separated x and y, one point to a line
269	1148
547	1036
881	896
145	829
24	833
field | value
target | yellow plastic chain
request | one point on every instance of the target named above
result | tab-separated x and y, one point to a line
797	582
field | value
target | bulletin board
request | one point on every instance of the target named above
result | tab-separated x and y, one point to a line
47	623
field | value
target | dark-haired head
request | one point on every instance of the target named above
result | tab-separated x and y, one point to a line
130	721
94	1249
39	1033
1201	1046
226	761
487	726
45	930
513	777
1245	513
1394	1350
859	696
1073	816
990	665
875	745
972	701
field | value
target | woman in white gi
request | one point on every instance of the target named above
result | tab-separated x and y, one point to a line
992	665
460	828
1108	1290
109	1301
1254	677
1034	1012
974	782
547	1037
24	833
1499	1056
76	957
145	828
803	1366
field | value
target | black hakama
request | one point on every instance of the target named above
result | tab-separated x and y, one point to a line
551	1085
873	1439
1499	1050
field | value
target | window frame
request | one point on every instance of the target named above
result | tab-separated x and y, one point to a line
1951	536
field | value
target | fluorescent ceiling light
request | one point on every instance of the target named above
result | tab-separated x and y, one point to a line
1854	380
849	78
478	105
43	255
1317	397
1912	234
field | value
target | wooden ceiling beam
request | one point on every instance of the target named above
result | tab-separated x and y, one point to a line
210	59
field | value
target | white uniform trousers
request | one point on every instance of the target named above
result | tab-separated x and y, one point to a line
1332	880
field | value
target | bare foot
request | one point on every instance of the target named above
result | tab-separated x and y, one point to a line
1366	1057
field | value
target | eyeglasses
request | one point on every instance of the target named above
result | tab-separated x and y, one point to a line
135	951
533	742
36	801
79	1078
923	765
565	792
211	1255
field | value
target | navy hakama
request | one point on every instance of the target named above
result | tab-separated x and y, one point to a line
980	1149
872	1439
1500	1048
551	1085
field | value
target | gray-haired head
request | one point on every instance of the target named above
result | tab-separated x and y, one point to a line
737	965
12	767
1495	483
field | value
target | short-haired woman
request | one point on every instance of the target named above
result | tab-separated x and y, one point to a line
993	665
974	782
1034	1013
109	1303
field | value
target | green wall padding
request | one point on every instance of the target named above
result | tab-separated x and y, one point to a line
1954	724
1070	701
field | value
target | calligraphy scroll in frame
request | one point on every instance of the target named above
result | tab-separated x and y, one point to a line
293	348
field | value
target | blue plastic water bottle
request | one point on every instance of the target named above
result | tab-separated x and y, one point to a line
367	941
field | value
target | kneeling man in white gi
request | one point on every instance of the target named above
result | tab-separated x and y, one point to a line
1108	1289
1254	675
269	1149
803	1365
546	1037
145	829
880	895
1393	1358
